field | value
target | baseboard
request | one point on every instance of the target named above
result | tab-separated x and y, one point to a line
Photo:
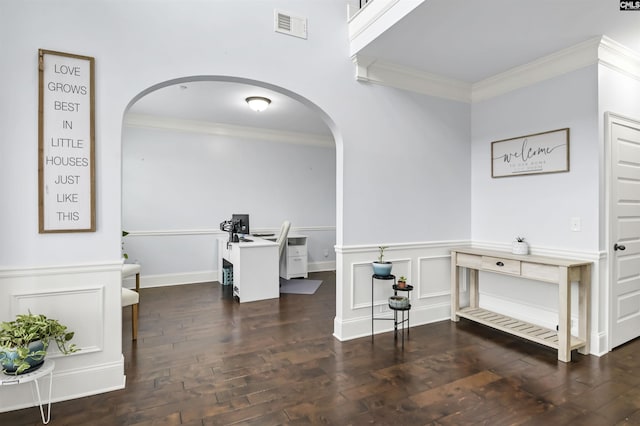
70	384
361	327
164	280
322	266
537	315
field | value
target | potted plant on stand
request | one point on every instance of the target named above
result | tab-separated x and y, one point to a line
402	282
24	342
381	267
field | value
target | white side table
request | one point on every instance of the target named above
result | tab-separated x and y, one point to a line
33	377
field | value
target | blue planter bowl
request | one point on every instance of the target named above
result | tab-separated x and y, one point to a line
382	269
8	356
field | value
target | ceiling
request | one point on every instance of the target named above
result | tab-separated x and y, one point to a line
466	41
470	41
223	102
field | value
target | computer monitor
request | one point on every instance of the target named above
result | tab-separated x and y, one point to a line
240	223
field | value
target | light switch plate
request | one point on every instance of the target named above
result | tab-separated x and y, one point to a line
575	224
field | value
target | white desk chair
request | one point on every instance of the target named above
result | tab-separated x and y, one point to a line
282	238
131	297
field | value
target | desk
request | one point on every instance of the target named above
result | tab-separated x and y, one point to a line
255	268
552	270
33	377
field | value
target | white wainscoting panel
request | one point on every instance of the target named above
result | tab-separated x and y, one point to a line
426	266
86	303
87	299
361	287
433	279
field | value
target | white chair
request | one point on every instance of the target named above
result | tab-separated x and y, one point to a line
282	238
131	297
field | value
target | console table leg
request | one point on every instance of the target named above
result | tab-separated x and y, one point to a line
564	316
474	296
455	287
584	295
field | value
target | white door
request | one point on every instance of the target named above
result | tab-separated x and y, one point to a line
624	235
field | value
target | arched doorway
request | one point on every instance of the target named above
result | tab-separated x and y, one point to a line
193	153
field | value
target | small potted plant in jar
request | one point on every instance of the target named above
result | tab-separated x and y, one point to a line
520	246
402	282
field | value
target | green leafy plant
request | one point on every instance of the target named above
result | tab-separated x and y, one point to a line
17	335
403	278
125	255
520	239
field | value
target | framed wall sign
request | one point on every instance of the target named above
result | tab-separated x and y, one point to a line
66	146
546	152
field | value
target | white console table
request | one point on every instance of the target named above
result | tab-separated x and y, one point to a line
552	270
255	268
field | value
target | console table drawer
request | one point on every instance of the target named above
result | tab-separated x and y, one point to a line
537	271
469	261
506	266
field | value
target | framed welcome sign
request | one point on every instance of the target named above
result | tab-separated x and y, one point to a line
66	176
546	152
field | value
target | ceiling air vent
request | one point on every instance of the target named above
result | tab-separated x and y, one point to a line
285	23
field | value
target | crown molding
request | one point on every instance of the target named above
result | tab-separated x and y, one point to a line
394	75
231	130
619	57
598	50
547	67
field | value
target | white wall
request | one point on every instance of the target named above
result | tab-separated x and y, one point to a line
409	182
386	139
538	207
178	186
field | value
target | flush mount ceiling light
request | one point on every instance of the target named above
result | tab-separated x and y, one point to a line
258	103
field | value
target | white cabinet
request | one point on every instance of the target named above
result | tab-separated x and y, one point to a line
293	262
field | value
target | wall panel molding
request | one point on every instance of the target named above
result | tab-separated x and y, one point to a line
90	300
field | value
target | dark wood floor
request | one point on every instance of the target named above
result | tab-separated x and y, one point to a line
202	359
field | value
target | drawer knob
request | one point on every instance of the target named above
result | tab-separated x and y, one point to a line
499	263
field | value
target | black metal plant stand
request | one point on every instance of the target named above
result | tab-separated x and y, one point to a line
395	310
373	318
396	289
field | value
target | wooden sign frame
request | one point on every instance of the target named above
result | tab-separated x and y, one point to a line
546	152
66	143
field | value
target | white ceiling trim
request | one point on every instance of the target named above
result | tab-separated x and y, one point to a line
619	57
600	50
394	75
545	68
221	129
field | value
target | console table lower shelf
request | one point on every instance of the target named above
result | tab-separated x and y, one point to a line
532	332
